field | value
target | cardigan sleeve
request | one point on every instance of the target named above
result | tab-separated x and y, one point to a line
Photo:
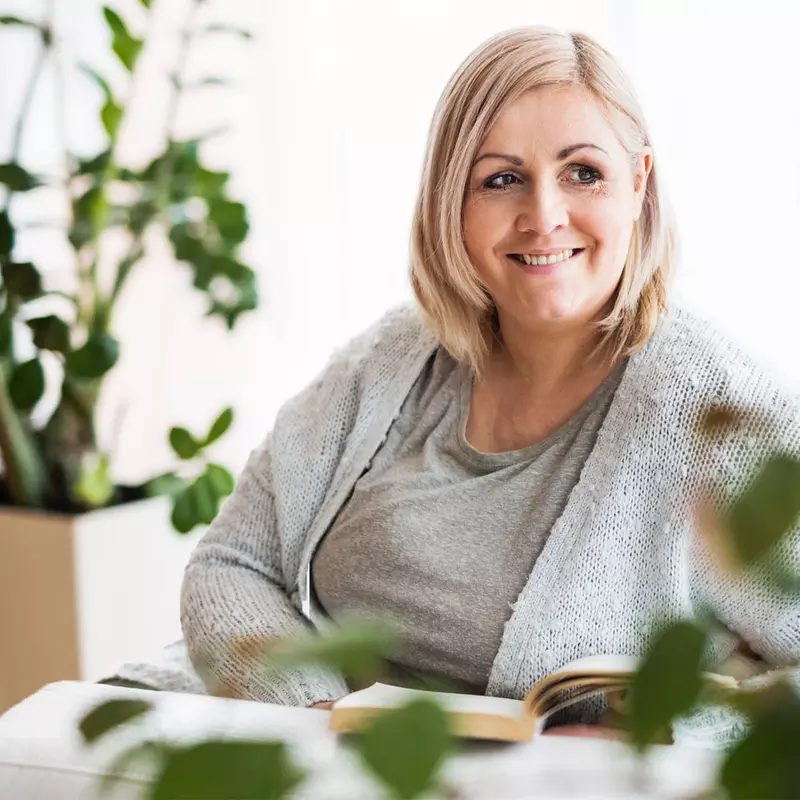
234	597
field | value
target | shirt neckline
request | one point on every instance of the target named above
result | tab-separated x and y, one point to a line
531	451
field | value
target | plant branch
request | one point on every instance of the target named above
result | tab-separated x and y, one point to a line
27	101
100	307
25	107
168	163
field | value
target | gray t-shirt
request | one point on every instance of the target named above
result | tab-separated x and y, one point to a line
441	538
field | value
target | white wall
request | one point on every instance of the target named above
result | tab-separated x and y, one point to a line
330	125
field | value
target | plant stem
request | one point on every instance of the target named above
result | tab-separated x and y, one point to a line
23	470
24	474
27	101
167	165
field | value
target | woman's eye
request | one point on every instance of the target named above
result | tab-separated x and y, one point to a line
504	181
586	176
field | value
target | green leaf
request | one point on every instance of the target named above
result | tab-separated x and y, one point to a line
764	764
140	215
26	385
228	29
230	219
192	250
405	747
767	510
17	179
126	47
94	486
111	116
205	499
146	3
95	358
50	333
219	427
183	443
221	480
22	280
7	19
142	756
83	210
167	484
356	647
184	514
97	78
6	333
235	770
6	234
110	715
667	683
209	183
93	166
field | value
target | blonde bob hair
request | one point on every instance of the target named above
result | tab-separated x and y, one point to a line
454	302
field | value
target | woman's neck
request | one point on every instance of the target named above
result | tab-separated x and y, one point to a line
547	362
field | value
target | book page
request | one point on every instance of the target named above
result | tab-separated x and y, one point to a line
381	695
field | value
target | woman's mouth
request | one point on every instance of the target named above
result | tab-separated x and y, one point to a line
544	260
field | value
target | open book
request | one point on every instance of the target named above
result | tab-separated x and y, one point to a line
500	718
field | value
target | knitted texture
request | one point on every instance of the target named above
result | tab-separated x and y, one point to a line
622	559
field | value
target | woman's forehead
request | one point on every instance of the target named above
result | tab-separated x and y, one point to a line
549	119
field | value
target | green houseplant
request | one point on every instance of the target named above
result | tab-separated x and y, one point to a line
80	555
60	465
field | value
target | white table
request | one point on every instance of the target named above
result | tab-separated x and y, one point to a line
42	756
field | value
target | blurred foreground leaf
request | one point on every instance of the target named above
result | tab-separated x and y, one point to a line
146	755
108	716
405	747
766	763
357	648
668	682
767	510
231	770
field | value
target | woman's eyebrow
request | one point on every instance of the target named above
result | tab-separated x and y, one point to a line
562	154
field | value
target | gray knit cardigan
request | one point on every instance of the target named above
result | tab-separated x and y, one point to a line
622	559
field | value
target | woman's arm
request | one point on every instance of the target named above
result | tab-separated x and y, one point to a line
234	599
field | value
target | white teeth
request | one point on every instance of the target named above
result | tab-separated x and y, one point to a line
553	258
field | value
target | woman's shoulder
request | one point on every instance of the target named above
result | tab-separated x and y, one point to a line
690	366
690	352
395	333
390	352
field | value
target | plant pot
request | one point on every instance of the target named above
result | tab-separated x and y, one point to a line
79	595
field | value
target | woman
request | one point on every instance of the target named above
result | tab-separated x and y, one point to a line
509	474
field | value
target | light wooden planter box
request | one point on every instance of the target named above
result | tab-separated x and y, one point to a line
81	595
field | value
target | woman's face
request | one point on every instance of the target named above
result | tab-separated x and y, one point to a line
551	179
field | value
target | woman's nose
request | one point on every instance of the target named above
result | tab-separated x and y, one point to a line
545	209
